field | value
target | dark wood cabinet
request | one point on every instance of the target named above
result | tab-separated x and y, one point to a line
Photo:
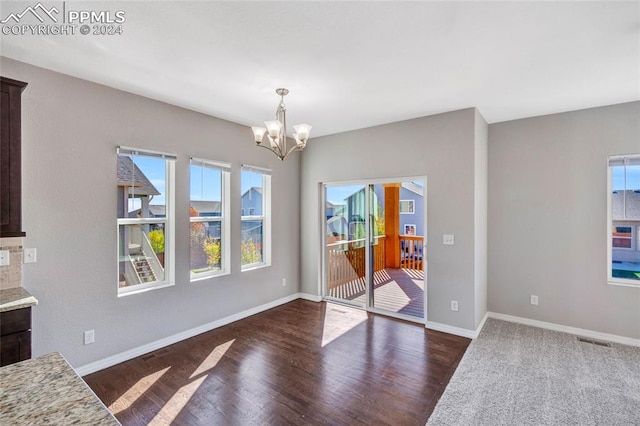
15	336
10	157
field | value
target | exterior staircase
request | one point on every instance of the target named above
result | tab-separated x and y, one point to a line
143	268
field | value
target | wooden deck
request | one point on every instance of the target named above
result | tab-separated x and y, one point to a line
396	290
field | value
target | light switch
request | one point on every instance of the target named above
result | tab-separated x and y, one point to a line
448	240
4	257
30	255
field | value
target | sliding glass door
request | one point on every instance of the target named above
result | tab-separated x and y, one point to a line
346	244
374	246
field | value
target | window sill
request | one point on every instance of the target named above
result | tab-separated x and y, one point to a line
198	278
254	266
624	283
144	289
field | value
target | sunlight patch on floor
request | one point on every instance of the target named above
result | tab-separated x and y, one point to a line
130	396
339	320
178	401
212	359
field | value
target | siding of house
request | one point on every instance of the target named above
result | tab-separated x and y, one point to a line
252	199
417	217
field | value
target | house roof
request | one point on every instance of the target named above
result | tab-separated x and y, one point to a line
631	205
413	187
255	188
129	175
158	210
203	207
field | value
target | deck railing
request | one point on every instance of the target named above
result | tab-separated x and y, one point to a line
346	260
411	252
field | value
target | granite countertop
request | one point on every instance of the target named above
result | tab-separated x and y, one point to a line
46	390
16	298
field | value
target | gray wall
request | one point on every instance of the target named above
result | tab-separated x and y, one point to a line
440	147
481	196
548	218
71	128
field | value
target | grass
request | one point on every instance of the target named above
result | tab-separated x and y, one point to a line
630	275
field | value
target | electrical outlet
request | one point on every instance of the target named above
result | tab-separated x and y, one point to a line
284	282
30	255
534	299
448	240
454	305
89	337
4	258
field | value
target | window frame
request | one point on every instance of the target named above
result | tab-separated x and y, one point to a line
168	221
265	217
412	203
225	210
635	239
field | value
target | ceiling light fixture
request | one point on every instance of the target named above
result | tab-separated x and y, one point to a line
277	132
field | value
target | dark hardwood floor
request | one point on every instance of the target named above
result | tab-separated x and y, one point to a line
299	363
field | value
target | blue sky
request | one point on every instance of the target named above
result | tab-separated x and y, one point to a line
337	194
633	177
204	182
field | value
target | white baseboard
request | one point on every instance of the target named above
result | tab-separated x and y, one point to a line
479	328
311	297
458	331
567	329
149	347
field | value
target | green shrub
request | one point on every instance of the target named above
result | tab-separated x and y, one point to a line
212	249
249	253
156	238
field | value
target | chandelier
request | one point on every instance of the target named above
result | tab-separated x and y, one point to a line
277	132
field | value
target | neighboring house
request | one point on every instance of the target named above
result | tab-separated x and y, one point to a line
626	226
411	207
133	183
337	229
252	206
252	202
207	208
335	209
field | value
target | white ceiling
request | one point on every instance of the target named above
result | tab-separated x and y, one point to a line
351	65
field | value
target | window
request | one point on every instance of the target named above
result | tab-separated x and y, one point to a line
622	237
410	229
208	215
407	207
624	220
255	244
145	210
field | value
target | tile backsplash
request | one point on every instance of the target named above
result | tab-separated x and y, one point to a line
11	275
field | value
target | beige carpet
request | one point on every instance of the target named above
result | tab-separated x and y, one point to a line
520	375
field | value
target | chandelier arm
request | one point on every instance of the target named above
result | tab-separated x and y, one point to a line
279	155
293	148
